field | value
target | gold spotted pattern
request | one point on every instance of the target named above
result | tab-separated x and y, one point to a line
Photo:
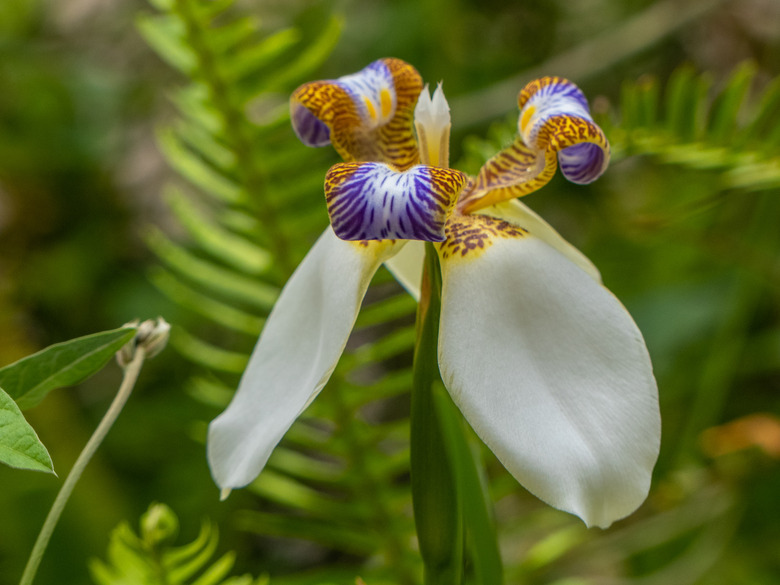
518	170
513	172
356	139
468	236
559	132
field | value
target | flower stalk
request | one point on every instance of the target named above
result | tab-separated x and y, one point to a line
149	341
436	495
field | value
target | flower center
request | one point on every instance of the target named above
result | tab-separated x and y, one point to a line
432	122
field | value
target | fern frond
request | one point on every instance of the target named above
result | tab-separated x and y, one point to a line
731	132
149	558
734	132
251	205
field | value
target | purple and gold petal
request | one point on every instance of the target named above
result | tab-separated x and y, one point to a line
555	127
554	116
372	201
513	172
367	116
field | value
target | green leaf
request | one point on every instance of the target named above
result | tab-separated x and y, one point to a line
196	169
20	447
436	495
165	35
151	559
63	364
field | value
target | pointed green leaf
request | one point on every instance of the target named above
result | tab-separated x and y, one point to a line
63	364
232	249
20	447
726	107
223	313
262	54
436	494
164	34
197	170
210	275
207	354
311	58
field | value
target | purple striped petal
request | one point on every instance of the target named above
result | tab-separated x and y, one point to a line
371	201
554	116
366	116
309	129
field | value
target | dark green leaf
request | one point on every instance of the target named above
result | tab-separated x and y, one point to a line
63	364
20	447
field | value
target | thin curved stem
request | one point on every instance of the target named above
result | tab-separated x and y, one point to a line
131	372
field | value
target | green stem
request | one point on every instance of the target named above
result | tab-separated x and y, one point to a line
452	508
436	497
128	381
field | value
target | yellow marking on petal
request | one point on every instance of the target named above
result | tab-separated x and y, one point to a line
370	107
526	117
387	103
389	139
381	249
468	236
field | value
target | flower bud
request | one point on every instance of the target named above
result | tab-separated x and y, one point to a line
152	335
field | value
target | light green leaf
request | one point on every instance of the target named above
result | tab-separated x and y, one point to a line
20	447
63	364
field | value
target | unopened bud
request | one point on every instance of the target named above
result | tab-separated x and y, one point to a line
151	334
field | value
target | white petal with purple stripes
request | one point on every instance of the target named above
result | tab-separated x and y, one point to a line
561	103
372	201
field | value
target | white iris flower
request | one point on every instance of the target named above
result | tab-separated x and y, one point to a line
543	361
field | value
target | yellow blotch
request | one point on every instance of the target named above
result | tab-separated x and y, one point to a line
387	102
526	117
370	107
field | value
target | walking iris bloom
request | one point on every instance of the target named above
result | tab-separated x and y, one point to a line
544	362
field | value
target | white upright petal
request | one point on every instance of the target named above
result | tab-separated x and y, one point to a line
407	265
298	349
553	374
518	213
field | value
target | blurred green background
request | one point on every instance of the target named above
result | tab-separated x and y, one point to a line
694	258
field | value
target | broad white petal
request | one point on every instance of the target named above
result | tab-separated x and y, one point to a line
407	265
520	214
553	374
298	349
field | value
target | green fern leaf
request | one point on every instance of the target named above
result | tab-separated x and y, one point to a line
148	558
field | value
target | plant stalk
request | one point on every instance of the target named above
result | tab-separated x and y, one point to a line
131	372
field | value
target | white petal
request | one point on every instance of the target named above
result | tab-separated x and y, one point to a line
518	213
553	374
406	266
298	349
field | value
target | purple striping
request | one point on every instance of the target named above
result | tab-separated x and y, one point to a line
363	206
310	130
582	163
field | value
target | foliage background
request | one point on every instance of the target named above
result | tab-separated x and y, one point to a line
689	251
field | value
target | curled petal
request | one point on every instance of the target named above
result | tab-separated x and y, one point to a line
554	117
367	116
551	372
555	127
371	201
515	171
298	349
